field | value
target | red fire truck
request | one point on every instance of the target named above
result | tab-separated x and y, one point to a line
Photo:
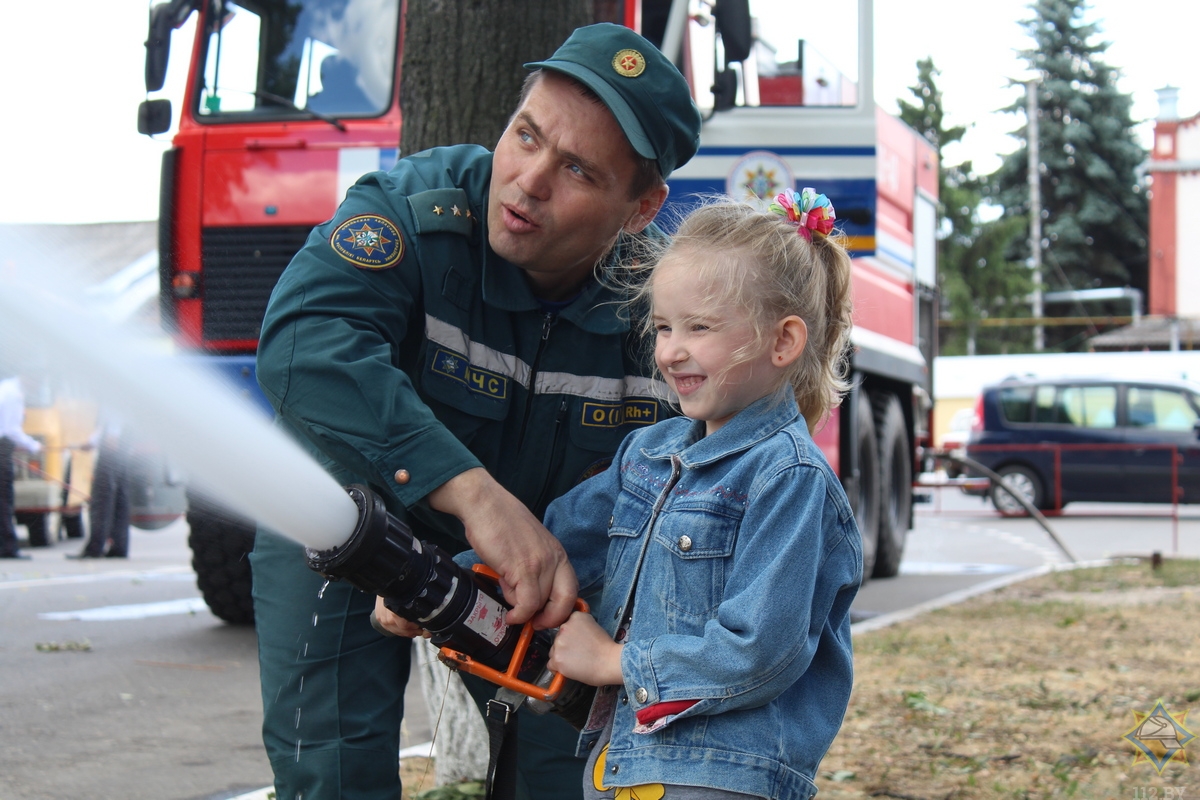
287	103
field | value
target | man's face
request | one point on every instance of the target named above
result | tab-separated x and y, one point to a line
560	187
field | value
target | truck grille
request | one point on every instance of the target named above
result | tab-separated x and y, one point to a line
241	266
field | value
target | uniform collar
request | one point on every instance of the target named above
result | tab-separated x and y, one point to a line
760	420
598	309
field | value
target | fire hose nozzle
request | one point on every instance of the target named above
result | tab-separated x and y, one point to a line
509	677
463	609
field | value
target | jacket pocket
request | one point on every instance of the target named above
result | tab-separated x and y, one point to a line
452	380
694	546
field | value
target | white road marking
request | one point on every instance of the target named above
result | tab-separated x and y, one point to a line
188	605
166	573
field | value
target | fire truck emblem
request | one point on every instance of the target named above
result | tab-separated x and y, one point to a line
629	63
758	176
368	242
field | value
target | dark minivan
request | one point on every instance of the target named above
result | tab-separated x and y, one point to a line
1111	440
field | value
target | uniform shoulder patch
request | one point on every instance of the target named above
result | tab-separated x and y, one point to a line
441	211
368	241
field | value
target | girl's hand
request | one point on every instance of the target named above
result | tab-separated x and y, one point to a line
583	651
390	624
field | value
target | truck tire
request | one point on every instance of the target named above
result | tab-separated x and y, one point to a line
895	483
73	525
221	546
35	523
866	491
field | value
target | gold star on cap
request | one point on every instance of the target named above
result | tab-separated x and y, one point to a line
629	63
437	210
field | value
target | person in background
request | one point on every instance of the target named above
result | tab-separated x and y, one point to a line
12	435
725	547
108	508
451	338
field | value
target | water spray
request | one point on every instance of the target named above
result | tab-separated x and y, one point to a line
237	457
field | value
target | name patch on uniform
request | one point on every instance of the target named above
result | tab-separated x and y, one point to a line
480	381
368	241
614	415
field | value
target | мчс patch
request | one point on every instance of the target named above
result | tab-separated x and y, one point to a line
368	241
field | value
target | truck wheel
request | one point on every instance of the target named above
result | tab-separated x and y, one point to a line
35	523
866	494
895	481
73	525
220	549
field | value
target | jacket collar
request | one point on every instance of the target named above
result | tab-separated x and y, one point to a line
758	421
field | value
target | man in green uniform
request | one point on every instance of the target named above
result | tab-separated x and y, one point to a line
449	338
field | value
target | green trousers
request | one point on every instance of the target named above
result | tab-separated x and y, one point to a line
333	692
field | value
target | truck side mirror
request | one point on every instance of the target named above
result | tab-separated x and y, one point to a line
154	116
158	46
733	23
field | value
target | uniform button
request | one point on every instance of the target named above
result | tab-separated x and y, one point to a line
685	543
641	694
402	477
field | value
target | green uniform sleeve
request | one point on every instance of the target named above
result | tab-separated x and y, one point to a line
344	322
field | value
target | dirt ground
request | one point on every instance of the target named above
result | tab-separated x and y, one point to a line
1028	692
1037	690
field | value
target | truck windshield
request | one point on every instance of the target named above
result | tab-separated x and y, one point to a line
289	59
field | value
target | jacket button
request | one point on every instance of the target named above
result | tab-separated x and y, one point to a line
685	543
641	694
624	700
611	520
402	477
614	769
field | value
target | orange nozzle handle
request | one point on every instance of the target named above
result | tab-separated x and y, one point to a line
508	679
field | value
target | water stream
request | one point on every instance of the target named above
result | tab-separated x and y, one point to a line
224	445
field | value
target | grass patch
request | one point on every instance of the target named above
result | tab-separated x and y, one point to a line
1027	692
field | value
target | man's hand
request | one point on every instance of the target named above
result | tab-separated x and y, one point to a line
584	651
387	622
535	576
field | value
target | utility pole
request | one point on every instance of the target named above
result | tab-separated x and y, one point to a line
1035	211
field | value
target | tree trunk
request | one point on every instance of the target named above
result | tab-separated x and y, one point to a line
462	70
461	79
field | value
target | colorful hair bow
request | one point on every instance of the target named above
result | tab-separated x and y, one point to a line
811	212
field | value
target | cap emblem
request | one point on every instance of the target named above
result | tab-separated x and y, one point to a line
629	63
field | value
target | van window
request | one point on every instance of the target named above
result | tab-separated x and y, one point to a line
1089	406
1014	403
1160	409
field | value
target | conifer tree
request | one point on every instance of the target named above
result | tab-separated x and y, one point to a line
975	279
1094	210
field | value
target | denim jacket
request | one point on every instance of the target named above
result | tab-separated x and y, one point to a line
749	559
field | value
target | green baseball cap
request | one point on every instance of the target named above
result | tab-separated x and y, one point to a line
641	87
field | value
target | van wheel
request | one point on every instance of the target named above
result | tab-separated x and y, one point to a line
895	482
866	494
1025	482
35	523
220	556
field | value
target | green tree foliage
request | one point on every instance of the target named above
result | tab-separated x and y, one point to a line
975	280
1094	210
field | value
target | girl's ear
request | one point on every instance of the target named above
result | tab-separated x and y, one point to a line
791	334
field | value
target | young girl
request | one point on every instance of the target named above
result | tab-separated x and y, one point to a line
725	547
